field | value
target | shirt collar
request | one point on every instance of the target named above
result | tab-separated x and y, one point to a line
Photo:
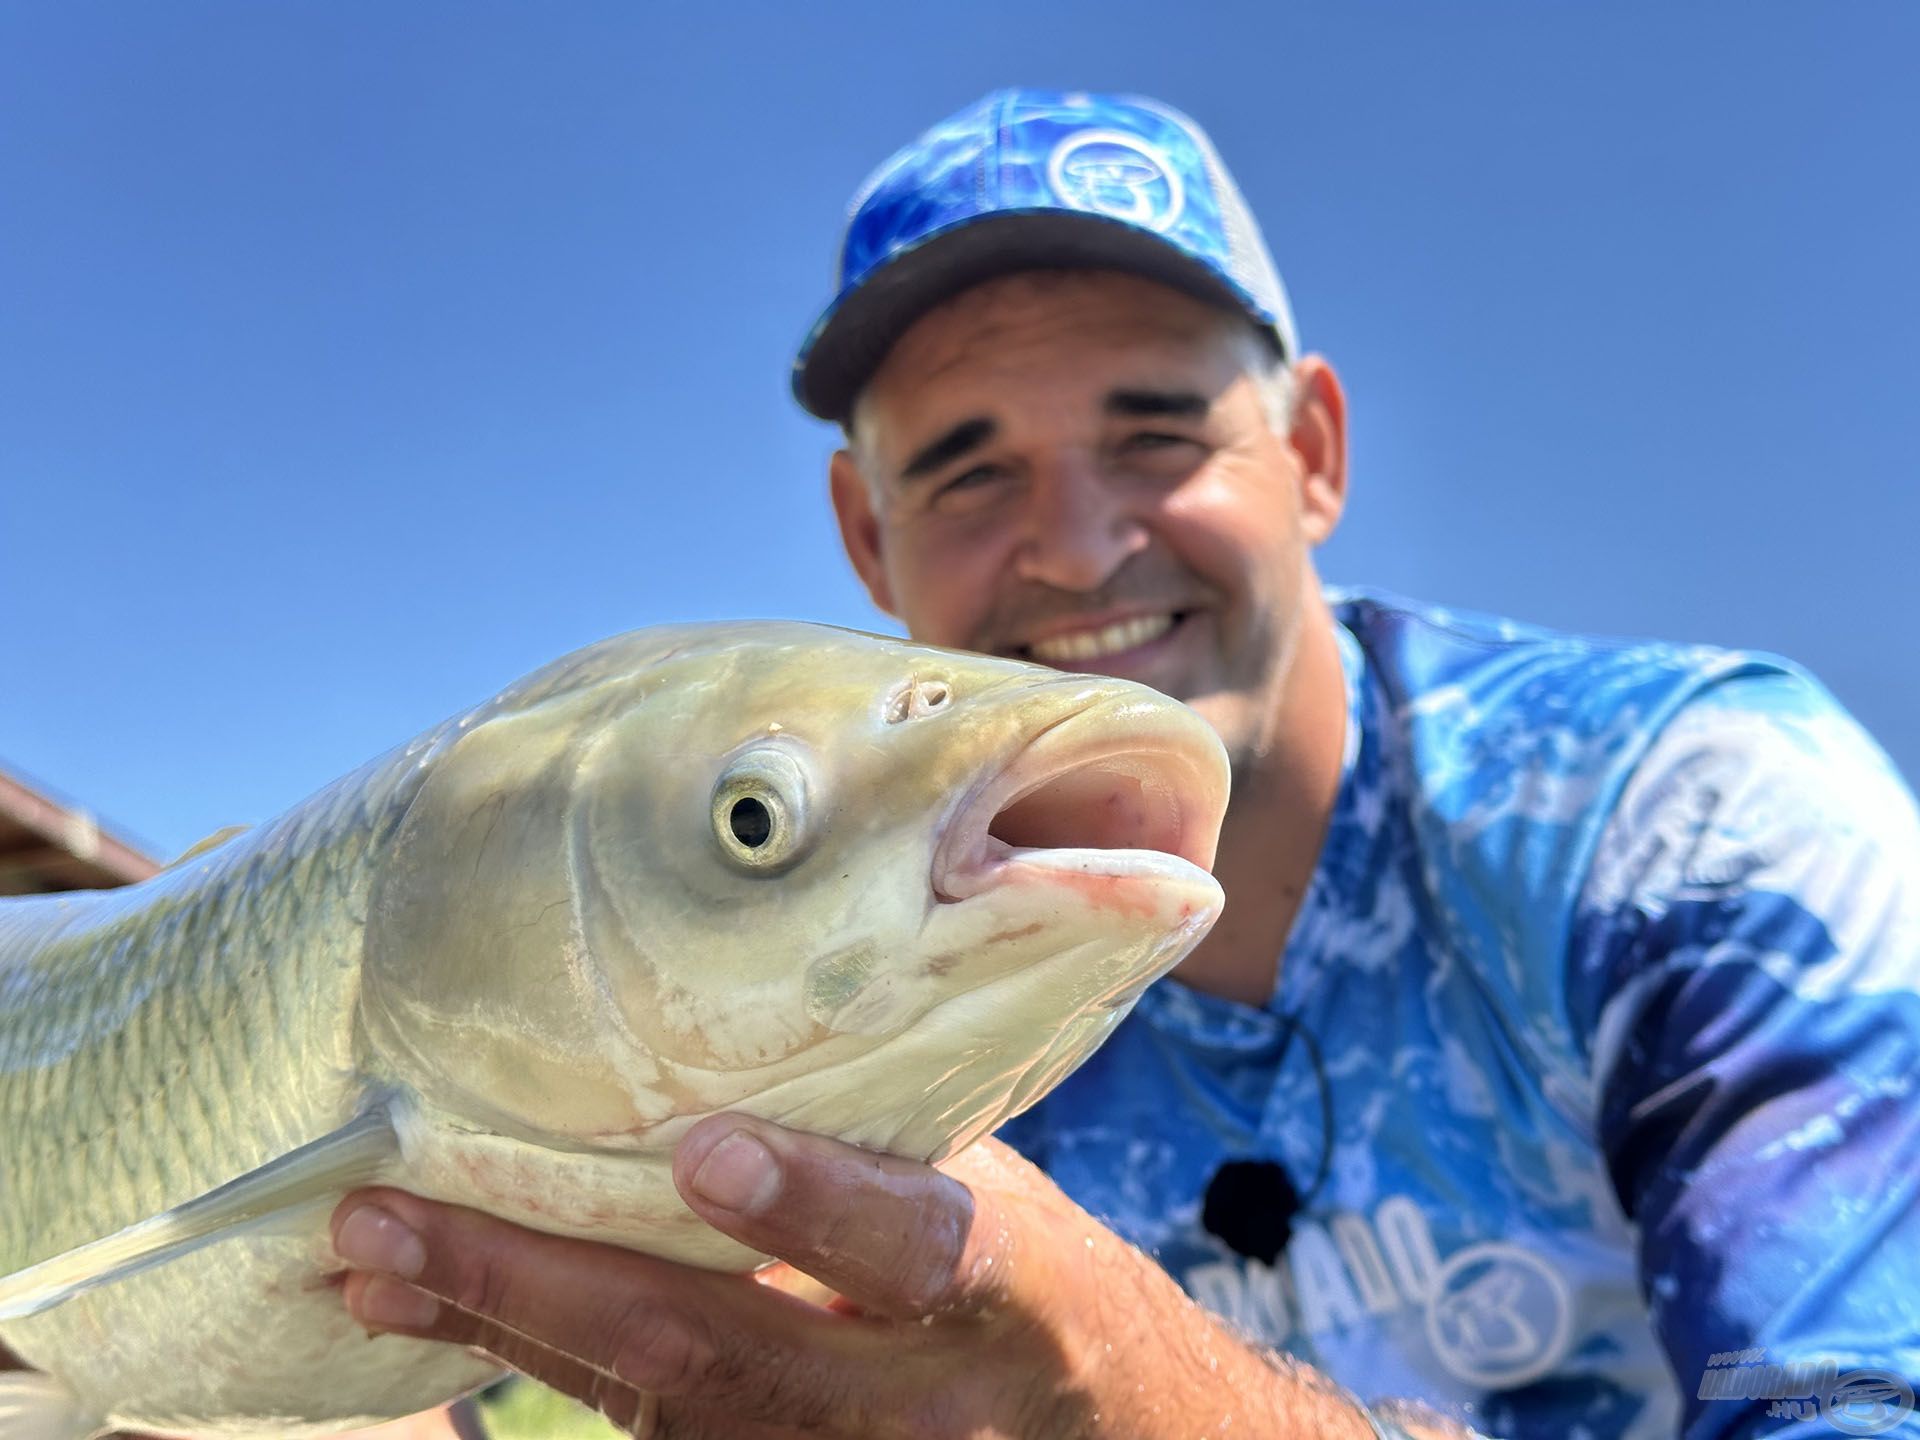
1347	856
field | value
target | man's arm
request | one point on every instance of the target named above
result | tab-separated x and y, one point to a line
1748	975
979	1302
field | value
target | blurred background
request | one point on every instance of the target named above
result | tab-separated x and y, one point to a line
356	358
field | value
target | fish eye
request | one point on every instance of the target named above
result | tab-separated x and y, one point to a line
760	811
751	822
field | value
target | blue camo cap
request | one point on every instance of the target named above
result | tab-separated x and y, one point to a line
1035	179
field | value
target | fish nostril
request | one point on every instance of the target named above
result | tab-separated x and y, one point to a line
913	699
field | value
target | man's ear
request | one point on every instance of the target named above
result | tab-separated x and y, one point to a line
1319	438
859	527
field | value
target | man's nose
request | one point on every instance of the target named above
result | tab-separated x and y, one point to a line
1079	529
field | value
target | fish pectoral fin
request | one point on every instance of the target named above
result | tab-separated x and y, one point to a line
315	1174
40	1407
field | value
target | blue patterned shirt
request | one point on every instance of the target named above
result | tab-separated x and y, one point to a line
1608	980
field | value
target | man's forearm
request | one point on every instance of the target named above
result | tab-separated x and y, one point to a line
1293	1399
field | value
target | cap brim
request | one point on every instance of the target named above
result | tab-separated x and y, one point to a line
851	339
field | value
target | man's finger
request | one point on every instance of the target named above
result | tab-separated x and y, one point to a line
716	1341
531	1284
395	1306
639	1413
896	1238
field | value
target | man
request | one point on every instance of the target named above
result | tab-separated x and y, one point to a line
1552	1062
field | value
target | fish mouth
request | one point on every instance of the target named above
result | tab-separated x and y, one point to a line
1124	787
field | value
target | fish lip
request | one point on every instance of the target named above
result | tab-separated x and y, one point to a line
969	860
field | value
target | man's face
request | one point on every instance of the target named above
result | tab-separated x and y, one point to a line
1079	468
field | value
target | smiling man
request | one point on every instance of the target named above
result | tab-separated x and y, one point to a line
1553	1063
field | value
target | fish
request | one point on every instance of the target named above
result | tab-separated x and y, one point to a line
850	884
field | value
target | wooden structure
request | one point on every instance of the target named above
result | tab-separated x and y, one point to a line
47	845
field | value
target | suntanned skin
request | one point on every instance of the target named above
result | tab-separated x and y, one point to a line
1045	453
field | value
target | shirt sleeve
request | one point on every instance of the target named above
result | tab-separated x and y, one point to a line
1746	978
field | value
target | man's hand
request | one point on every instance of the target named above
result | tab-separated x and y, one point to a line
978	1302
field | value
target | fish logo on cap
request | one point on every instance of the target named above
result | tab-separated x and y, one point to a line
1110	172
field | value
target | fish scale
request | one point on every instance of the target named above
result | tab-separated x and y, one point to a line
252	947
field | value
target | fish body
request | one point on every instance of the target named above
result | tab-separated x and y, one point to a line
853	885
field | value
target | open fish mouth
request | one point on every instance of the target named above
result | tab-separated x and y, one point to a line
1116	790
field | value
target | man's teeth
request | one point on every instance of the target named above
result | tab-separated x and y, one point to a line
1107	640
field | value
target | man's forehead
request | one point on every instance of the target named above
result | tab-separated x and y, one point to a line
1033	307
1077	335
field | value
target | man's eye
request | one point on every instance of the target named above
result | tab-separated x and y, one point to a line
966	485
1155	440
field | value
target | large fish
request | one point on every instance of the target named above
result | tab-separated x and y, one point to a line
856	886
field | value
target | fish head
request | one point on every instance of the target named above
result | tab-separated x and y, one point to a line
861	886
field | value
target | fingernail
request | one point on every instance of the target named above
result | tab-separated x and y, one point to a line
739	1174
390	1305
375	1239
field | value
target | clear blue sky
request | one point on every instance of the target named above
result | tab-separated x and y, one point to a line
357	357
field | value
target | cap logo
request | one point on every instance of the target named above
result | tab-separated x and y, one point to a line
1112	173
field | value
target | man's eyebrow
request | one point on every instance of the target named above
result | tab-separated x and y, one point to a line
965	436
1145	404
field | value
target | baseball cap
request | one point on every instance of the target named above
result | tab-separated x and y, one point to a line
1035	179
